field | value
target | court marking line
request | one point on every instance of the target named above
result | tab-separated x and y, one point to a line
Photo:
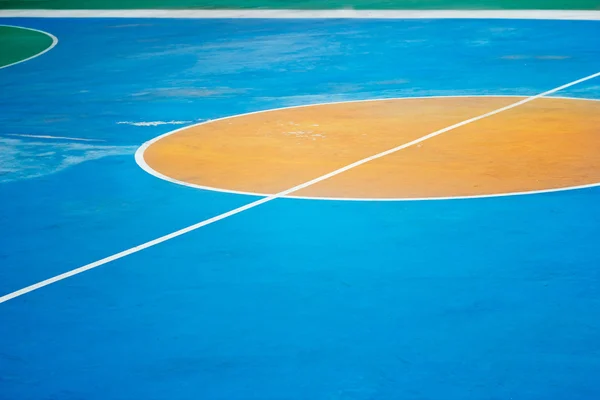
54	43
590	15
267	199
54	137
139	156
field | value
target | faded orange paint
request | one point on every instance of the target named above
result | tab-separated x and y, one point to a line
545	144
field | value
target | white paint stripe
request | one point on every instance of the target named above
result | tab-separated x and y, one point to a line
54	43
257	203
153	123
139	155
311	14
54	137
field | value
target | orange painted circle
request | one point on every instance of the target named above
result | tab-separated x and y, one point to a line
546	144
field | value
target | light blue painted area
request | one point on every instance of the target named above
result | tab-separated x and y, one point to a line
468	299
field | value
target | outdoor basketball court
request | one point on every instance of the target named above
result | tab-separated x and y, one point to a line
289	207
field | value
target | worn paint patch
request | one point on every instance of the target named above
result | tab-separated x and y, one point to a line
27	159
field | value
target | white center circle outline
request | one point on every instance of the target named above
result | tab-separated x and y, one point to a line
139	155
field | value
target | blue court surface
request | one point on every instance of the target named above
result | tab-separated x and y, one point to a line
461	299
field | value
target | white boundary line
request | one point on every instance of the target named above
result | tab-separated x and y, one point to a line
311	14
139	156
53	137
258	202
54	43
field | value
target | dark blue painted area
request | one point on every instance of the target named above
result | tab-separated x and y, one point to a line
471	299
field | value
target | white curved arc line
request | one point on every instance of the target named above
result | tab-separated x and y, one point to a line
139	156
54	43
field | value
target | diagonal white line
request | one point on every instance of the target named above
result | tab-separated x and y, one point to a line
53	137
267	199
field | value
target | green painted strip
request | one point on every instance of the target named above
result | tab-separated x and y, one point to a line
18	44
305	4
